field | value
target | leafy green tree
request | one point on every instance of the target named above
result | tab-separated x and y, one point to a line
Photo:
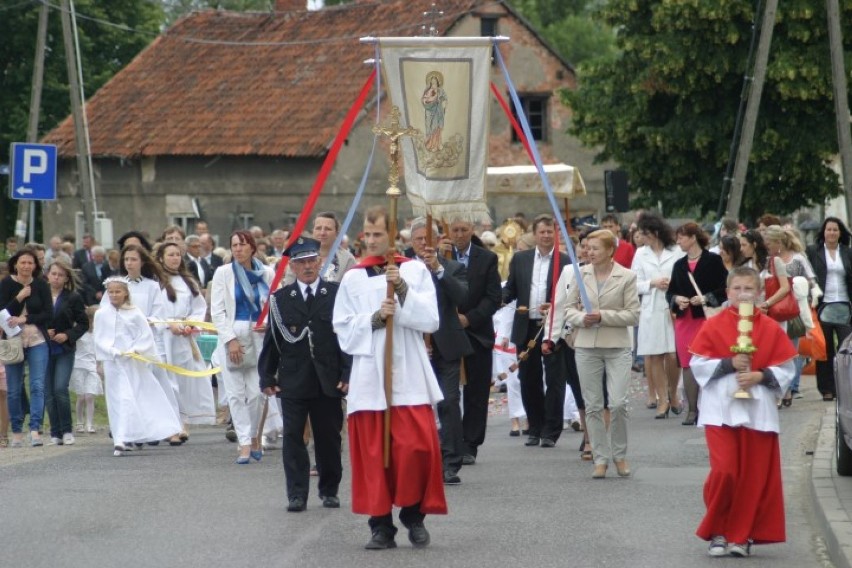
665	106
104	50
569	27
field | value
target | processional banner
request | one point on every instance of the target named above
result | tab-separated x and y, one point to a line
441	86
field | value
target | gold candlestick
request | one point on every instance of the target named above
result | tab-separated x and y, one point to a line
744	344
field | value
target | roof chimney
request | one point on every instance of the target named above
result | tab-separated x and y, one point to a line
291	5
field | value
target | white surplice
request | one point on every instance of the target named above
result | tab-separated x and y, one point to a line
136	404
358	298
195	402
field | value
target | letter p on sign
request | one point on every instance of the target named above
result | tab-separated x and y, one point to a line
35	163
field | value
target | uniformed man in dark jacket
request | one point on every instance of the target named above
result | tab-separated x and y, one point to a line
302	363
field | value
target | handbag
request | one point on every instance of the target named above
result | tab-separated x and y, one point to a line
796	328
11	350
249	355
812	345
787	307
835	313
709	311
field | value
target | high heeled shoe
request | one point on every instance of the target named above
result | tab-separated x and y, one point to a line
691	418
600	471
622	468
676	410
663	413
256	455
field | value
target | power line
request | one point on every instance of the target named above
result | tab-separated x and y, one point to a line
189	39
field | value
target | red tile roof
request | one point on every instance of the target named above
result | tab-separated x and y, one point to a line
226	83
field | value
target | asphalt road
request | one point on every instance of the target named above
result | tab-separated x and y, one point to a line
191	506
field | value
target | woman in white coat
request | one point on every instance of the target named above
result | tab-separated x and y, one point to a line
239	291
653	267
184	301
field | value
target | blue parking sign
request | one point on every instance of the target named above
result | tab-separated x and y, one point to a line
33	174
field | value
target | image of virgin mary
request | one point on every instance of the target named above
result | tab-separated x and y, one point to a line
434	101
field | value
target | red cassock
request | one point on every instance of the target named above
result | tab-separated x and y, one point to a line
415	474
743	492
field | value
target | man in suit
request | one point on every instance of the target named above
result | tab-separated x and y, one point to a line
301	362
83	255
94	273
530	282
449	344
195	261
475	314
209	260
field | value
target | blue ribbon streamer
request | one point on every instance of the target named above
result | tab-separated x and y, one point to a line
525	126
360	193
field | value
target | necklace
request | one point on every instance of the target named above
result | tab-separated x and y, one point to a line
696	257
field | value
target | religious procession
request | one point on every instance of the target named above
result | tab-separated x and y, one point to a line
425	286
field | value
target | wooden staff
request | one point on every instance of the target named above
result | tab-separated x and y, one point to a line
394	132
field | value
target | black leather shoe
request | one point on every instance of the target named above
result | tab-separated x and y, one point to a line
547	443
331	502
297	505
525	432
468	459
381	540
418	535
532	441
451	478
515	433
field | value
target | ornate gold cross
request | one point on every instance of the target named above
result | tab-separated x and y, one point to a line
394	132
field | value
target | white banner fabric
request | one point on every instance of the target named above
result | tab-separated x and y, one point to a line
442	90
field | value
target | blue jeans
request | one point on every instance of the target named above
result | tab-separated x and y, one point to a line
800	363
36	358
56	396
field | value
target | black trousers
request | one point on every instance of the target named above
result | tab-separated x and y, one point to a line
477	368
326	423
544	411
572	376
449	411
407	516
825	369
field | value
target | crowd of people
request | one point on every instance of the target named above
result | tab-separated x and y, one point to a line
396	329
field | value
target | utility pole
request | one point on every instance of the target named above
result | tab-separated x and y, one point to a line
83	173
841	104
25	206
741	168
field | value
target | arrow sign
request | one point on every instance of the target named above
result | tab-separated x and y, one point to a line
33	171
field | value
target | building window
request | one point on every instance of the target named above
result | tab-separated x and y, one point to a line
535	109
488	26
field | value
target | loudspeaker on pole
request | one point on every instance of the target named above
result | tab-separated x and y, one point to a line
616	191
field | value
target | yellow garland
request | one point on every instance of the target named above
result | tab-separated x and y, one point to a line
205	325
173	368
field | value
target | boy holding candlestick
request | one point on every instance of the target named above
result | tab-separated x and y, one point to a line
744	501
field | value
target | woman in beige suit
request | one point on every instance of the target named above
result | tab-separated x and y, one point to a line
603	342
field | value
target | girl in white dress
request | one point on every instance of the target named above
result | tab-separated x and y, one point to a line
145	281
183	300
86	382
136	404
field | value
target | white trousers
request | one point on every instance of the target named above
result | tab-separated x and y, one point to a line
242	386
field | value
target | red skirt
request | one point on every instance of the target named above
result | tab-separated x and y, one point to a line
415	474
686	328
743	493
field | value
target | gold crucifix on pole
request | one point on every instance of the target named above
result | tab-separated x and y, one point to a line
394	132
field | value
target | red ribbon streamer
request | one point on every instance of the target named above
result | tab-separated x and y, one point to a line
324	172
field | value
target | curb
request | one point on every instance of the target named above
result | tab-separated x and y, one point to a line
831	513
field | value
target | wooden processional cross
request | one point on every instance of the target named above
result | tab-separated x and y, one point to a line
394	132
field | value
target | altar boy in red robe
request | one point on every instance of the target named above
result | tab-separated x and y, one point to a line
742	493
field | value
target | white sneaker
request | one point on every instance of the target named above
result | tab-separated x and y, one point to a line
68	439
55	441
80	429
718	546
740	550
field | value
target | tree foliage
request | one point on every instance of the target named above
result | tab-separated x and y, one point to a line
104	50
569	27
665	106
